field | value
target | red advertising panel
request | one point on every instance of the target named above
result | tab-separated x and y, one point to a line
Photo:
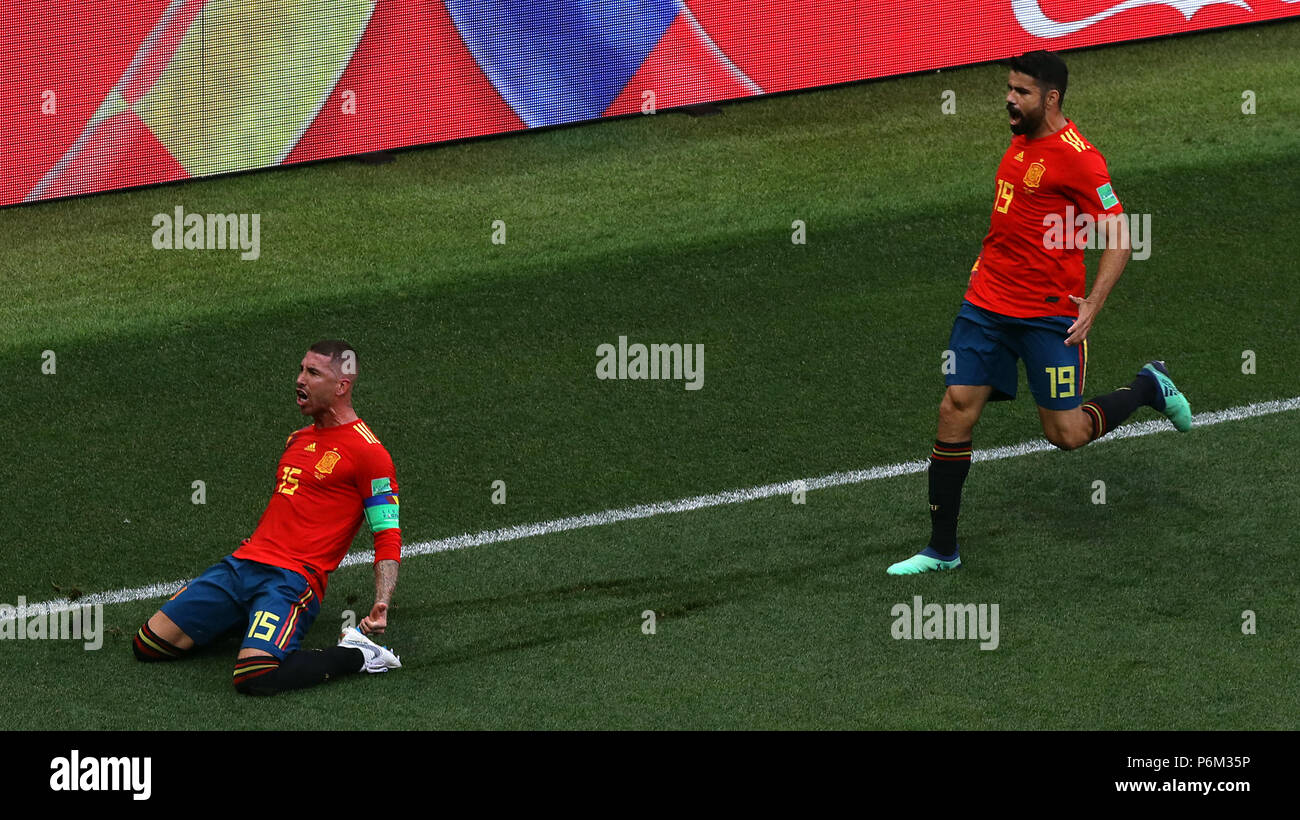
98	94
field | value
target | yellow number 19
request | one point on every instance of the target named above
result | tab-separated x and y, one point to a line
1062	376
1005	191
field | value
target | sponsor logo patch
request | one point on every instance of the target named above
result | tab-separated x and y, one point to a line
1107	196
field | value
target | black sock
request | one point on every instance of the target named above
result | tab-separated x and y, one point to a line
1110	411
147	646
949	464
264	675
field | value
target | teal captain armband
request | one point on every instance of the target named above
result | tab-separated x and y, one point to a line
381	512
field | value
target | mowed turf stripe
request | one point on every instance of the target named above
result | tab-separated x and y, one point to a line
699	502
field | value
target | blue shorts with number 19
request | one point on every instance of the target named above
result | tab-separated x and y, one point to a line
274	607
987	346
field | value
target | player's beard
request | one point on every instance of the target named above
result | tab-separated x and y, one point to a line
1028	122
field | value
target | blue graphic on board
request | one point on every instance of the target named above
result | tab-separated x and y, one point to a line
557	61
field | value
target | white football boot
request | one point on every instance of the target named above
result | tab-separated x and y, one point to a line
378	658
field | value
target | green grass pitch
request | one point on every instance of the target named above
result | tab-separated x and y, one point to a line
479	364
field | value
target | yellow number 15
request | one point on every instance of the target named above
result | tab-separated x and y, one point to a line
263	625
288	480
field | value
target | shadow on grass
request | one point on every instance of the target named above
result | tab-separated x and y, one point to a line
681	598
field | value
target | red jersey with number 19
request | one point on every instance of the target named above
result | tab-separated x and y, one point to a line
329	480
1025	269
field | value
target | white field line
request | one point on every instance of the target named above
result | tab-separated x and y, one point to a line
699	502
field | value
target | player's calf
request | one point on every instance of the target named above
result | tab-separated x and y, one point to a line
268	675
264	674
1152	388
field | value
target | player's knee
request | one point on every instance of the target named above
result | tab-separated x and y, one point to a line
959	403
948	412
257	675
148	647
956	415
1066	439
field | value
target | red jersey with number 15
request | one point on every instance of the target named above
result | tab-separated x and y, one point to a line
329	480
1024	268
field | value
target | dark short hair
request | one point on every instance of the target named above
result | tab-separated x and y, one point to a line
335	349
1045	67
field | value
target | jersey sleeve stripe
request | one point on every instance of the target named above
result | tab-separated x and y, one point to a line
365	432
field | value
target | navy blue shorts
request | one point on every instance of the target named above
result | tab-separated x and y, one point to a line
987	345
275	606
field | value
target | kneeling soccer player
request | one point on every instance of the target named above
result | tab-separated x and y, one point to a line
333	475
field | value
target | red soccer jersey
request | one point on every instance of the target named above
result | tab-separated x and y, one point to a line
328	481
1025	268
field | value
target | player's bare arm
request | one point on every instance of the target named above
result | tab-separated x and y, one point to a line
385	584
1115	241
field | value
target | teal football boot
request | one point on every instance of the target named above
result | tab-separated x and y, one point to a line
1169	399
924	561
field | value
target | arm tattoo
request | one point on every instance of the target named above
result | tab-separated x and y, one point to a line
385	581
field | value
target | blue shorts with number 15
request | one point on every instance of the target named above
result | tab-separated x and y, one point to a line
273	607
987	345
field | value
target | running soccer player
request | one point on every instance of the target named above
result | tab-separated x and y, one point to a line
1023	301
333	475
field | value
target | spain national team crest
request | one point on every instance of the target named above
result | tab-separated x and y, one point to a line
327	462
1034	174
